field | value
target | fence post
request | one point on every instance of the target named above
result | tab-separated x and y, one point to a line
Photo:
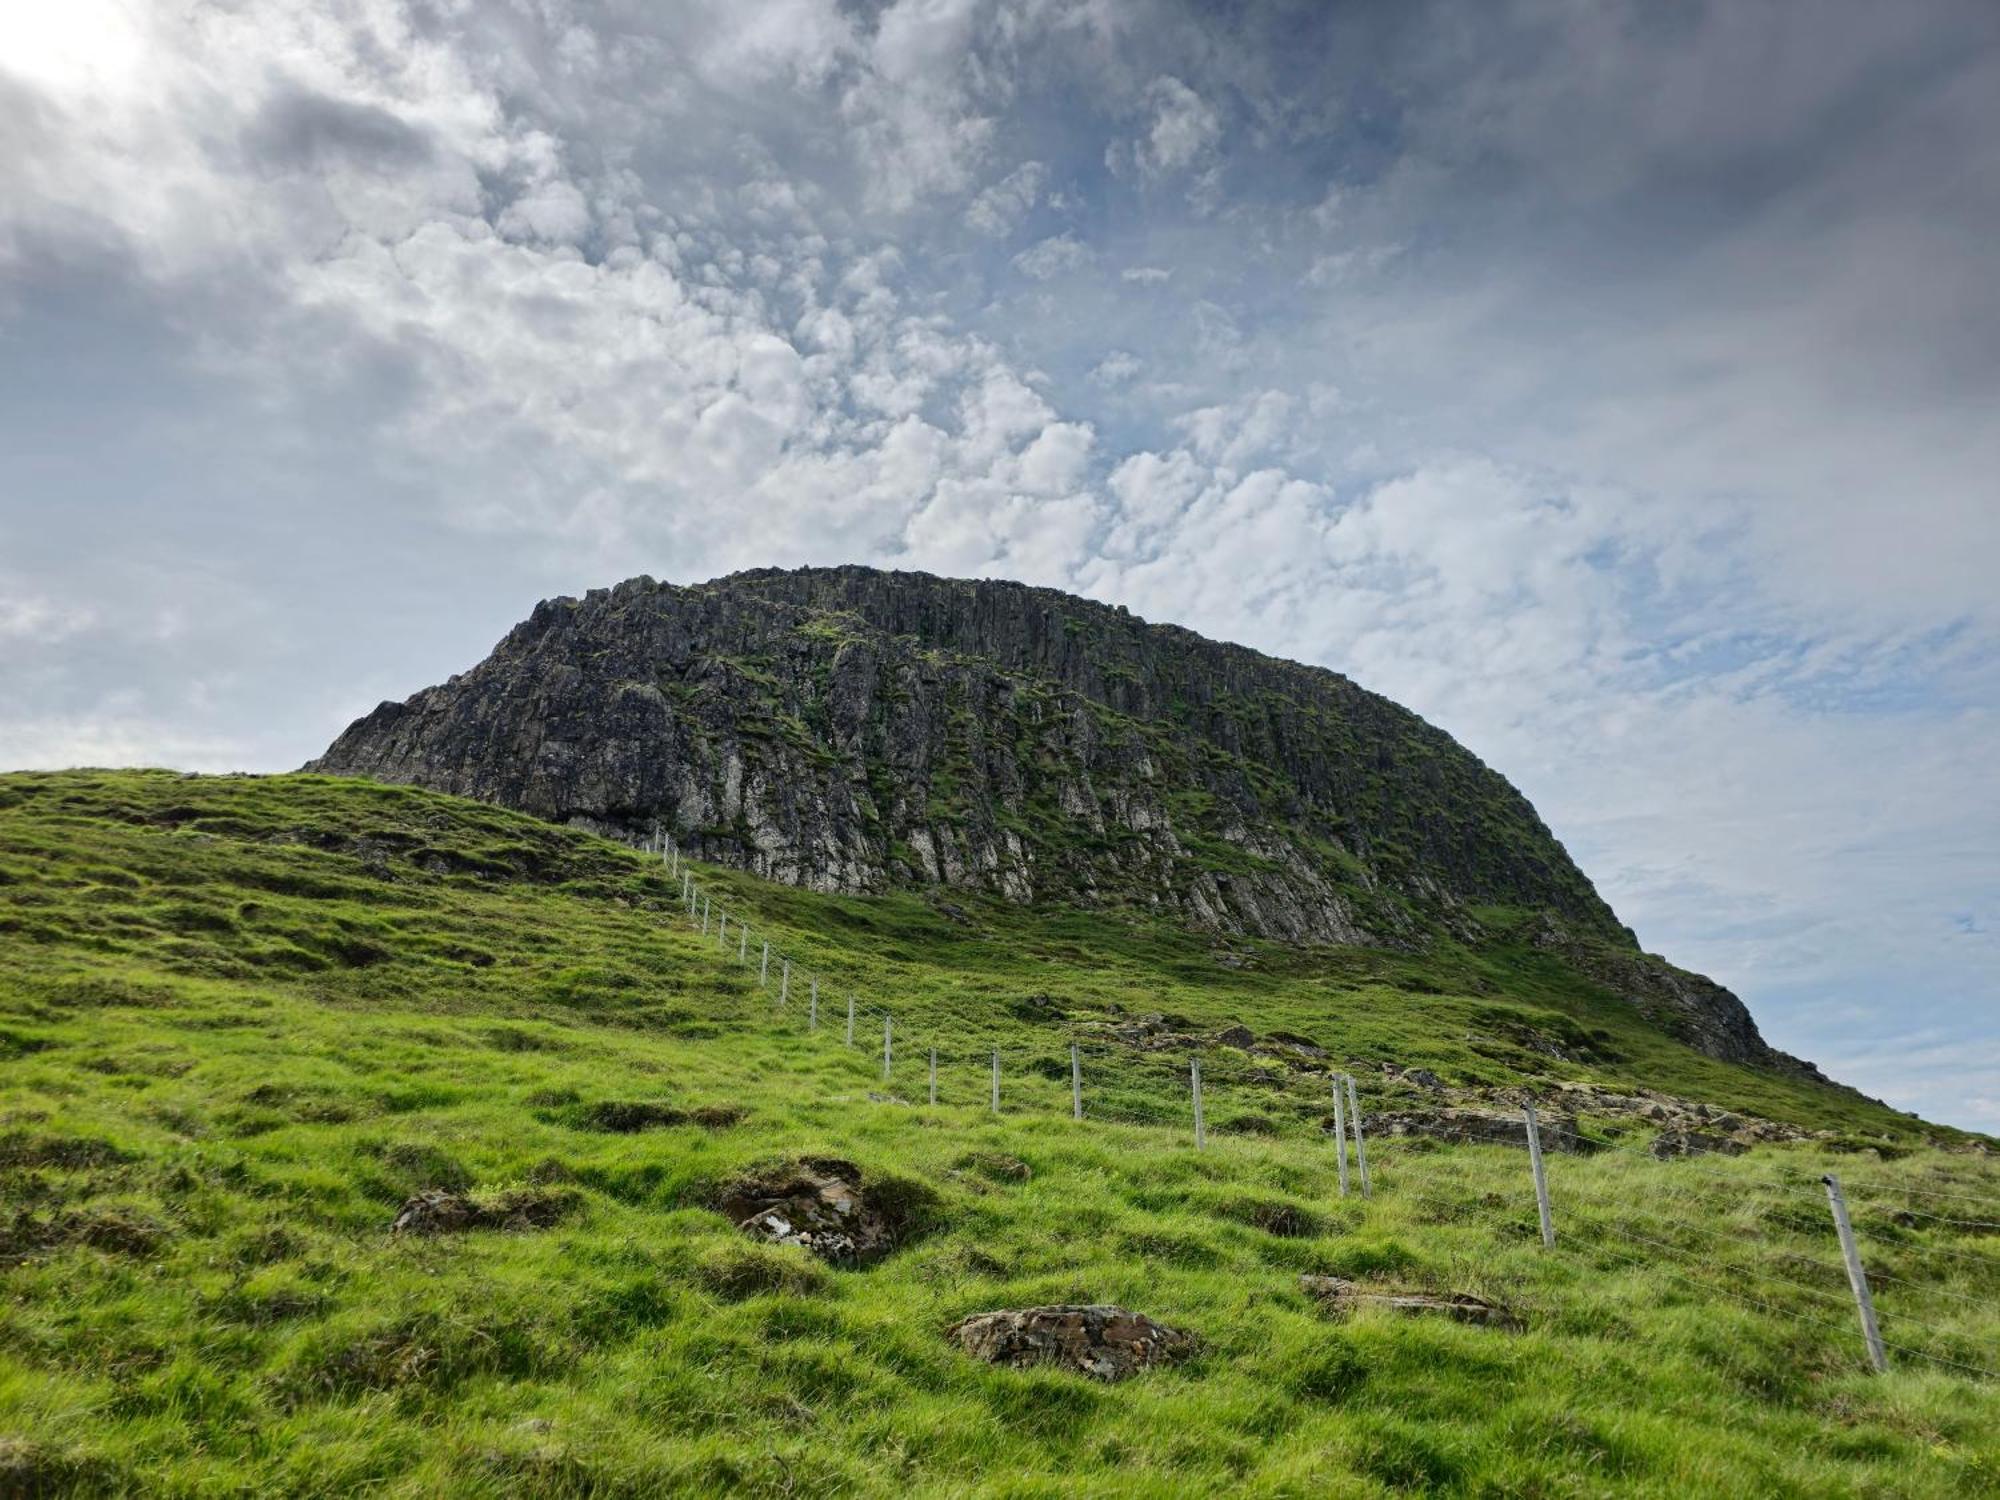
1200	1125
933	1075
742	944
1541	1177
885	1049
722	931
812	1008
1360	1146
996	1080
1340	1134
1075	1084
850	1020
764	966
1878	1357
784	982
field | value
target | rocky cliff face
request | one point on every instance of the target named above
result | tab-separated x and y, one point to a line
853	730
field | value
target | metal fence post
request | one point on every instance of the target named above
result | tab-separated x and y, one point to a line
885	1049
1200	1125
1075	1084
1878	1357
1541	1177
1360	1145
1340	1135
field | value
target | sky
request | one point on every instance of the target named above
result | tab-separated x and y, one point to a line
1616	384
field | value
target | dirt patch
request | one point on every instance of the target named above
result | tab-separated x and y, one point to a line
66	1153
115	1231
826	1206
442	1211
1341	1296
744	1271
995	1166
33	1471
1286	1220
630	1116
1104	1342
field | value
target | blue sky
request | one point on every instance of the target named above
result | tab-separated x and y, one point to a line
1615	384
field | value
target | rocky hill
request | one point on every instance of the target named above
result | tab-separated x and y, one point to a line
853	730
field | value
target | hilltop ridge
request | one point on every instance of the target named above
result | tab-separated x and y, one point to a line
853	730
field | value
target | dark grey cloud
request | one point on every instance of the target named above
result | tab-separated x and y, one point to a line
298	128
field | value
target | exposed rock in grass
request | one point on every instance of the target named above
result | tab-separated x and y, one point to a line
1672	1143
1471	1127
1343	1296
821	1204
1236	1036
1301	1044
1099	1340
441	1211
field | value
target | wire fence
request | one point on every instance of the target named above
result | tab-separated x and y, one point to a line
1182	1085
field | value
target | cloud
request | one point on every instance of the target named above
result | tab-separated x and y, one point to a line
1056	256
1182	132
1116	368
999	208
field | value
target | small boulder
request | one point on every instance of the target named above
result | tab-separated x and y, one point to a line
1104	1342
1344	1296
443	1211
1237	1036
1672	1143
821	1205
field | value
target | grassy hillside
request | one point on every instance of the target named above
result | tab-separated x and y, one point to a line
243	1019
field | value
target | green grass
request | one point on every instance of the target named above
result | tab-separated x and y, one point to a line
242	1019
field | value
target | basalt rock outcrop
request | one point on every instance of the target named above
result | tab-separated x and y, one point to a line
853	730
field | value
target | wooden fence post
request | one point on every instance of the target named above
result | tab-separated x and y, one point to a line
742	944
1075	1084
1878	1357
885	1049
933	1075
812	1008
1360	1145
1541	1177
784	982
1340	1134
850	1020
996	1080
1200	1125
764	966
